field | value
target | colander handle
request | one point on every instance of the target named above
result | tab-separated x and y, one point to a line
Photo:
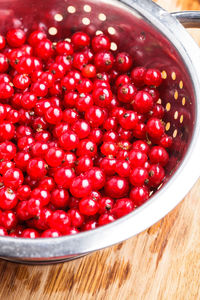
189	19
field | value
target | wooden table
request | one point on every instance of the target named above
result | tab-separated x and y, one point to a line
161	263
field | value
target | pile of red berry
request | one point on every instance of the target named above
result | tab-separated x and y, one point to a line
82	141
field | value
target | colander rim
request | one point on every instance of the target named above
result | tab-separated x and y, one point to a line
160	203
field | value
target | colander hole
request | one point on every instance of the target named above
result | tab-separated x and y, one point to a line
98	32
52	31
167	126
183	101
58	17
71	9
151	192
68	40
164	74
176	115
173	75
102	17
176	95
168	106
159	101
86	21
111	30
175	133
113	46
181	119
87	8
181	84
159	186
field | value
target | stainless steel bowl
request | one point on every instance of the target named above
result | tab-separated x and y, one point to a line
154	38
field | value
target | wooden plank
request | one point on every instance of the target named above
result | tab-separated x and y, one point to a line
161	263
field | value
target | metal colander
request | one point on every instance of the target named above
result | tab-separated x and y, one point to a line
155	39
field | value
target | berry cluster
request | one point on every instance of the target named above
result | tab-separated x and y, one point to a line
82	141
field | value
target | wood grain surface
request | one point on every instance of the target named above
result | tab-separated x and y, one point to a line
161	263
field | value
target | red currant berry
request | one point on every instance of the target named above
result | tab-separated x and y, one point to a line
156	175
28	100
16	37
35	37
95	116
126	93
123	168
153	92
36	168
104	61
138	176
8	198
44	49
83	164
76	217
6	90
108	165
39	149
122	207
97	178
84	85
155	128
64	177
101	43
42	195
13	178
21	81
2	42
88	206
80	40
50	233
123	62
7	150
24	65
166	141
7	131
84	102
30	233
142	102
105	205
60	198
106	219
79	61
153	77
70	98
116	187
128	120
3	65
86	147
23	192
3	231
53	115
60	221
137	76
9	220
81	187
141	145
47	183
89	71
102	97
139	195
69	140
64	48
90	225
54	157
159	155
